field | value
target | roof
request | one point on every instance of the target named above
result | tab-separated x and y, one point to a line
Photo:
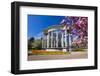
53	27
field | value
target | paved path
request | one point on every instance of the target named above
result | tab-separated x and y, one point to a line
73	55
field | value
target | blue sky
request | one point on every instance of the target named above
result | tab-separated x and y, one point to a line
37	23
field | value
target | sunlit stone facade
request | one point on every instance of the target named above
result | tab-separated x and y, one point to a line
57	38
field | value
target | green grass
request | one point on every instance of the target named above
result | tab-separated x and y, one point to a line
49	53
79	49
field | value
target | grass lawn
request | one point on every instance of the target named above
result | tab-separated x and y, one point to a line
43	52
79	50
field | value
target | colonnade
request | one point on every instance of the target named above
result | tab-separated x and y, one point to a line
53	38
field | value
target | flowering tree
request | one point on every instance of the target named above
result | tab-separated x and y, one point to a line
78	27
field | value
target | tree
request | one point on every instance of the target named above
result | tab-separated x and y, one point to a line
30	42
31	39
37	44
77	26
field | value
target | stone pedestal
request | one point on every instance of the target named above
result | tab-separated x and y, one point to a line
52	50
64	50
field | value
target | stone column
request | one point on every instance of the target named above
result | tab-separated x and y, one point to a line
54	44
62	40
51	39
57	39
54	41
70	42
65	38
42	42
48	40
